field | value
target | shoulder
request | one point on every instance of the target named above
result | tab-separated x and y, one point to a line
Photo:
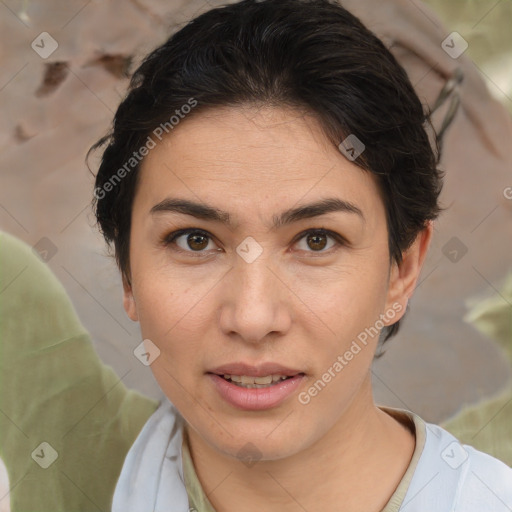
487	484
159	445
467	479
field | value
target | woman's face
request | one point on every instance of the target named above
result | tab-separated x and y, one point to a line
257	290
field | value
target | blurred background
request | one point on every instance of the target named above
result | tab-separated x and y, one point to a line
65	66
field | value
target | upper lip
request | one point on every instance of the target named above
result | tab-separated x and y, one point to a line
260	370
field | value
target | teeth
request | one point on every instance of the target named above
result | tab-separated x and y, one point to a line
247	381
260	380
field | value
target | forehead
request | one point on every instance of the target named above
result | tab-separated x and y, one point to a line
252	159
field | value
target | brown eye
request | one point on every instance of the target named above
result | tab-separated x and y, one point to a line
197	242
189	240
317	242
318	239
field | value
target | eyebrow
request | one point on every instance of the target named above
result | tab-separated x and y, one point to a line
307	211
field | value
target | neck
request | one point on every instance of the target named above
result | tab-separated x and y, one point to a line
366	450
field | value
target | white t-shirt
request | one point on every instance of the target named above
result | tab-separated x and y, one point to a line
444	475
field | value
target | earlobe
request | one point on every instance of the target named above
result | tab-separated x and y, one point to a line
129	301
404	276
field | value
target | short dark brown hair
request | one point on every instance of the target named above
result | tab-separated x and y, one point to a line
310	55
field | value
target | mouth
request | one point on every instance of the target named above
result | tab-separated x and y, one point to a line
240	369
253	388
249	382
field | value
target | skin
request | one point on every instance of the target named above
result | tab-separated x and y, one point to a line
296	304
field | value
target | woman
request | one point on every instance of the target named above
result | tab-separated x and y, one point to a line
269	188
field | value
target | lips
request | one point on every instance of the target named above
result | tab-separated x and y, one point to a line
256	399
260	370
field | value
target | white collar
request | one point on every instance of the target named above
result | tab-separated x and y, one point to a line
449	477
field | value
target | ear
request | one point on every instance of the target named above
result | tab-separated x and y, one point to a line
128	300
403	276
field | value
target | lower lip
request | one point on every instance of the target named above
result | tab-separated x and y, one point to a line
255	399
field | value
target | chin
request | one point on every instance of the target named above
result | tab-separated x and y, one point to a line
251	443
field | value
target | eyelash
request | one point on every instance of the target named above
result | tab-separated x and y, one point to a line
169	239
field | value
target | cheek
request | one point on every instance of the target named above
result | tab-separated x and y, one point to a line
343	351
347	299
164	294
169	315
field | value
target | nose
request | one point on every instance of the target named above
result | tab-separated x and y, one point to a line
256	301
